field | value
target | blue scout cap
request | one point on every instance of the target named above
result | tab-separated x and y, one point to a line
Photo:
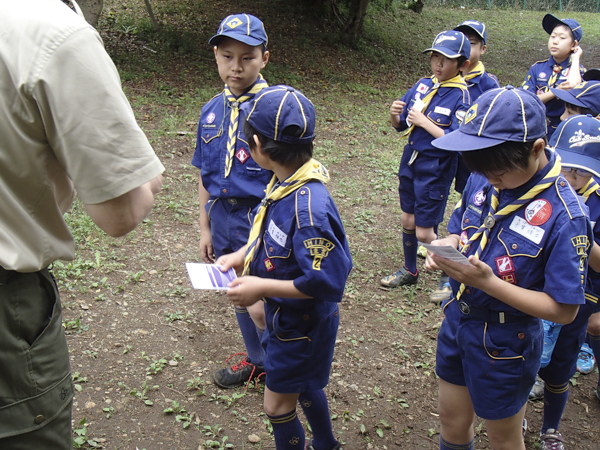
592	75
498	115
241	27
473	25
549	22
275	108
452	44
584	95
578	143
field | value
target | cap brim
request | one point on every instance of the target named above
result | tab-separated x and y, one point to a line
579	161
463	28
592	75
568	97
457	141
444	51
253	42
549	23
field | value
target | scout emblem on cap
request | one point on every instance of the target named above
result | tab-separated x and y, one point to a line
471	114
538	212
579	139
235	22
319	249
443	38
479	197
210	118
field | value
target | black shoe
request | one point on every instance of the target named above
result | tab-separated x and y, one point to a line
309	446
238	374
401	278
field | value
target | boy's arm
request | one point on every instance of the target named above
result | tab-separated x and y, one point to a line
480	276
418	119
594	258
246	291
206	247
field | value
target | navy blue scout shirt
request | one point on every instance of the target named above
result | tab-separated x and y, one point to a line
543	246
481	83
246	179
593	280
537	79
446	110
304	241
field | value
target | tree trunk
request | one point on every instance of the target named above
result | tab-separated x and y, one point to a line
151	14
355	22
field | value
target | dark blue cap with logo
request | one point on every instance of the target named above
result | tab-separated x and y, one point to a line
242	27
498	115
584	95
452	44
276	108
474	26
578	143
549	22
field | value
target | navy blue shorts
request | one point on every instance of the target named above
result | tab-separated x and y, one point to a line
462	175
496	362
425	185
563	363
299	346
229	225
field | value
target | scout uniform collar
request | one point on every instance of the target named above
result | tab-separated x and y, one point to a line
478	70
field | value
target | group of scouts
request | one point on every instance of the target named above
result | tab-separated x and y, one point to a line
528	210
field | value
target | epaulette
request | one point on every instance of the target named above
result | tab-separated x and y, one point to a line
542	61
569	198
304	216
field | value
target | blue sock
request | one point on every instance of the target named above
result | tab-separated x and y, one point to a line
594	343
409	244
256	353
315	407
555	400
288	431
445	445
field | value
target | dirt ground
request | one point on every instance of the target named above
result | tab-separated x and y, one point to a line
144	345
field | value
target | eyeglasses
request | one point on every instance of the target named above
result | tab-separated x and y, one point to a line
579	172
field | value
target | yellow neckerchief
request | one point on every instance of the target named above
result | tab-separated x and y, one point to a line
456	82
234	103
311	170
477	70
556	70
590	187
484	230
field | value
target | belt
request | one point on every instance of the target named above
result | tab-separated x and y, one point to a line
242	201
487	315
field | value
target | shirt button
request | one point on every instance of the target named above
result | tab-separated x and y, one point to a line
411	142
224	191
302	192
562	183
468	291
494	353
335	314
270	249
514	246
305	316
466	220
521	335
39	419
438	120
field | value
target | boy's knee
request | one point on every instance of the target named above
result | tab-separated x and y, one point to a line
425	235
408	221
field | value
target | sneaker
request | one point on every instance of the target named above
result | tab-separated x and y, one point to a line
443	292
586	360
238	374
421	251
309	446
537	391
551	440
551	332
401	278
524	426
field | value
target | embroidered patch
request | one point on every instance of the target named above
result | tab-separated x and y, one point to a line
538	212
210	118
509	278
464	238
422	88
460	116
479	197
581	244
235	22
242	155
269	264
471	114
275	232
504	265
542	75
319	249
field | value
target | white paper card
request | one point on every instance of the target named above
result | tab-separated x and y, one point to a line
531	232
209	276
446	251
278	236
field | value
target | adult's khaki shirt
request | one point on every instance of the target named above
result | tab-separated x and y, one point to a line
64	121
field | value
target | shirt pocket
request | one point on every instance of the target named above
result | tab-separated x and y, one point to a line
522	251
441	120
210	142
274	249
248	168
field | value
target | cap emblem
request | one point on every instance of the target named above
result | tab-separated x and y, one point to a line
443	38
235	22
471	114
579	139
